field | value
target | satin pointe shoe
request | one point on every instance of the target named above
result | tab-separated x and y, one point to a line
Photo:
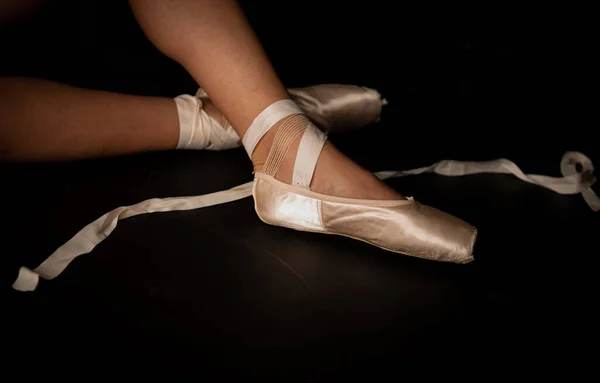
401	226
338	108
333	107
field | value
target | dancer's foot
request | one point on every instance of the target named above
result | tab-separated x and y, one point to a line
335	174
330	194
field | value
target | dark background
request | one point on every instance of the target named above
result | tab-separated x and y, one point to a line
215	289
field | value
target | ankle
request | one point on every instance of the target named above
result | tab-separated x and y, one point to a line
263	149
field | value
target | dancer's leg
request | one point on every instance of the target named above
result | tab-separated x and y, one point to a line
43	120
214	42
47	121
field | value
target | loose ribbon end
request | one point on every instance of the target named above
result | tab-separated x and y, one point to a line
27	280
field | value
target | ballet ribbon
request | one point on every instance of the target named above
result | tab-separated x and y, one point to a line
94	233
573	181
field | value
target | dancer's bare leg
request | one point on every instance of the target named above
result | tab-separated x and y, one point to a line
214	42
46	121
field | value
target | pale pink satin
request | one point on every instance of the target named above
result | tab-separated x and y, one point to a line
338	107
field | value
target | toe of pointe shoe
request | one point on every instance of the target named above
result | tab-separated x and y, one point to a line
402	226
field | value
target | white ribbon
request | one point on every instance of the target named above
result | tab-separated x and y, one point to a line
572	182
94	233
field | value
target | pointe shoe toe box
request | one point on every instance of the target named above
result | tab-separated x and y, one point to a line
408	228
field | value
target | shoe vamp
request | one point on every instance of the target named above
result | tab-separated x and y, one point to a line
411	228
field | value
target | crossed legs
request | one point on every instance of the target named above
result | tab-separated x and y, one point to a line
213	41
215	44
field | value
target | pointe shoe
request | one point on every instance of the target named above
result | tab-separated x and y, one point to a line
333	107
338	108
401	226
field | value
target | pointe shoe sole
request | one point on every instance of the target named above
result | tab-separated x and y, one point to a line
401	226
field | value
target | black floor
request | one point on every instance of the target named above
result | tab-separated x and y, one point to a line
217	290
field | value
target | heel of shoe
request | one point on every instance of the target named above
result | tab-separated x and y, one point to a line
279	207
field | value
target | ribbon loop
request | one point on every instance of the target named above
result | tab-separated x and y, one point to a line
586	178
